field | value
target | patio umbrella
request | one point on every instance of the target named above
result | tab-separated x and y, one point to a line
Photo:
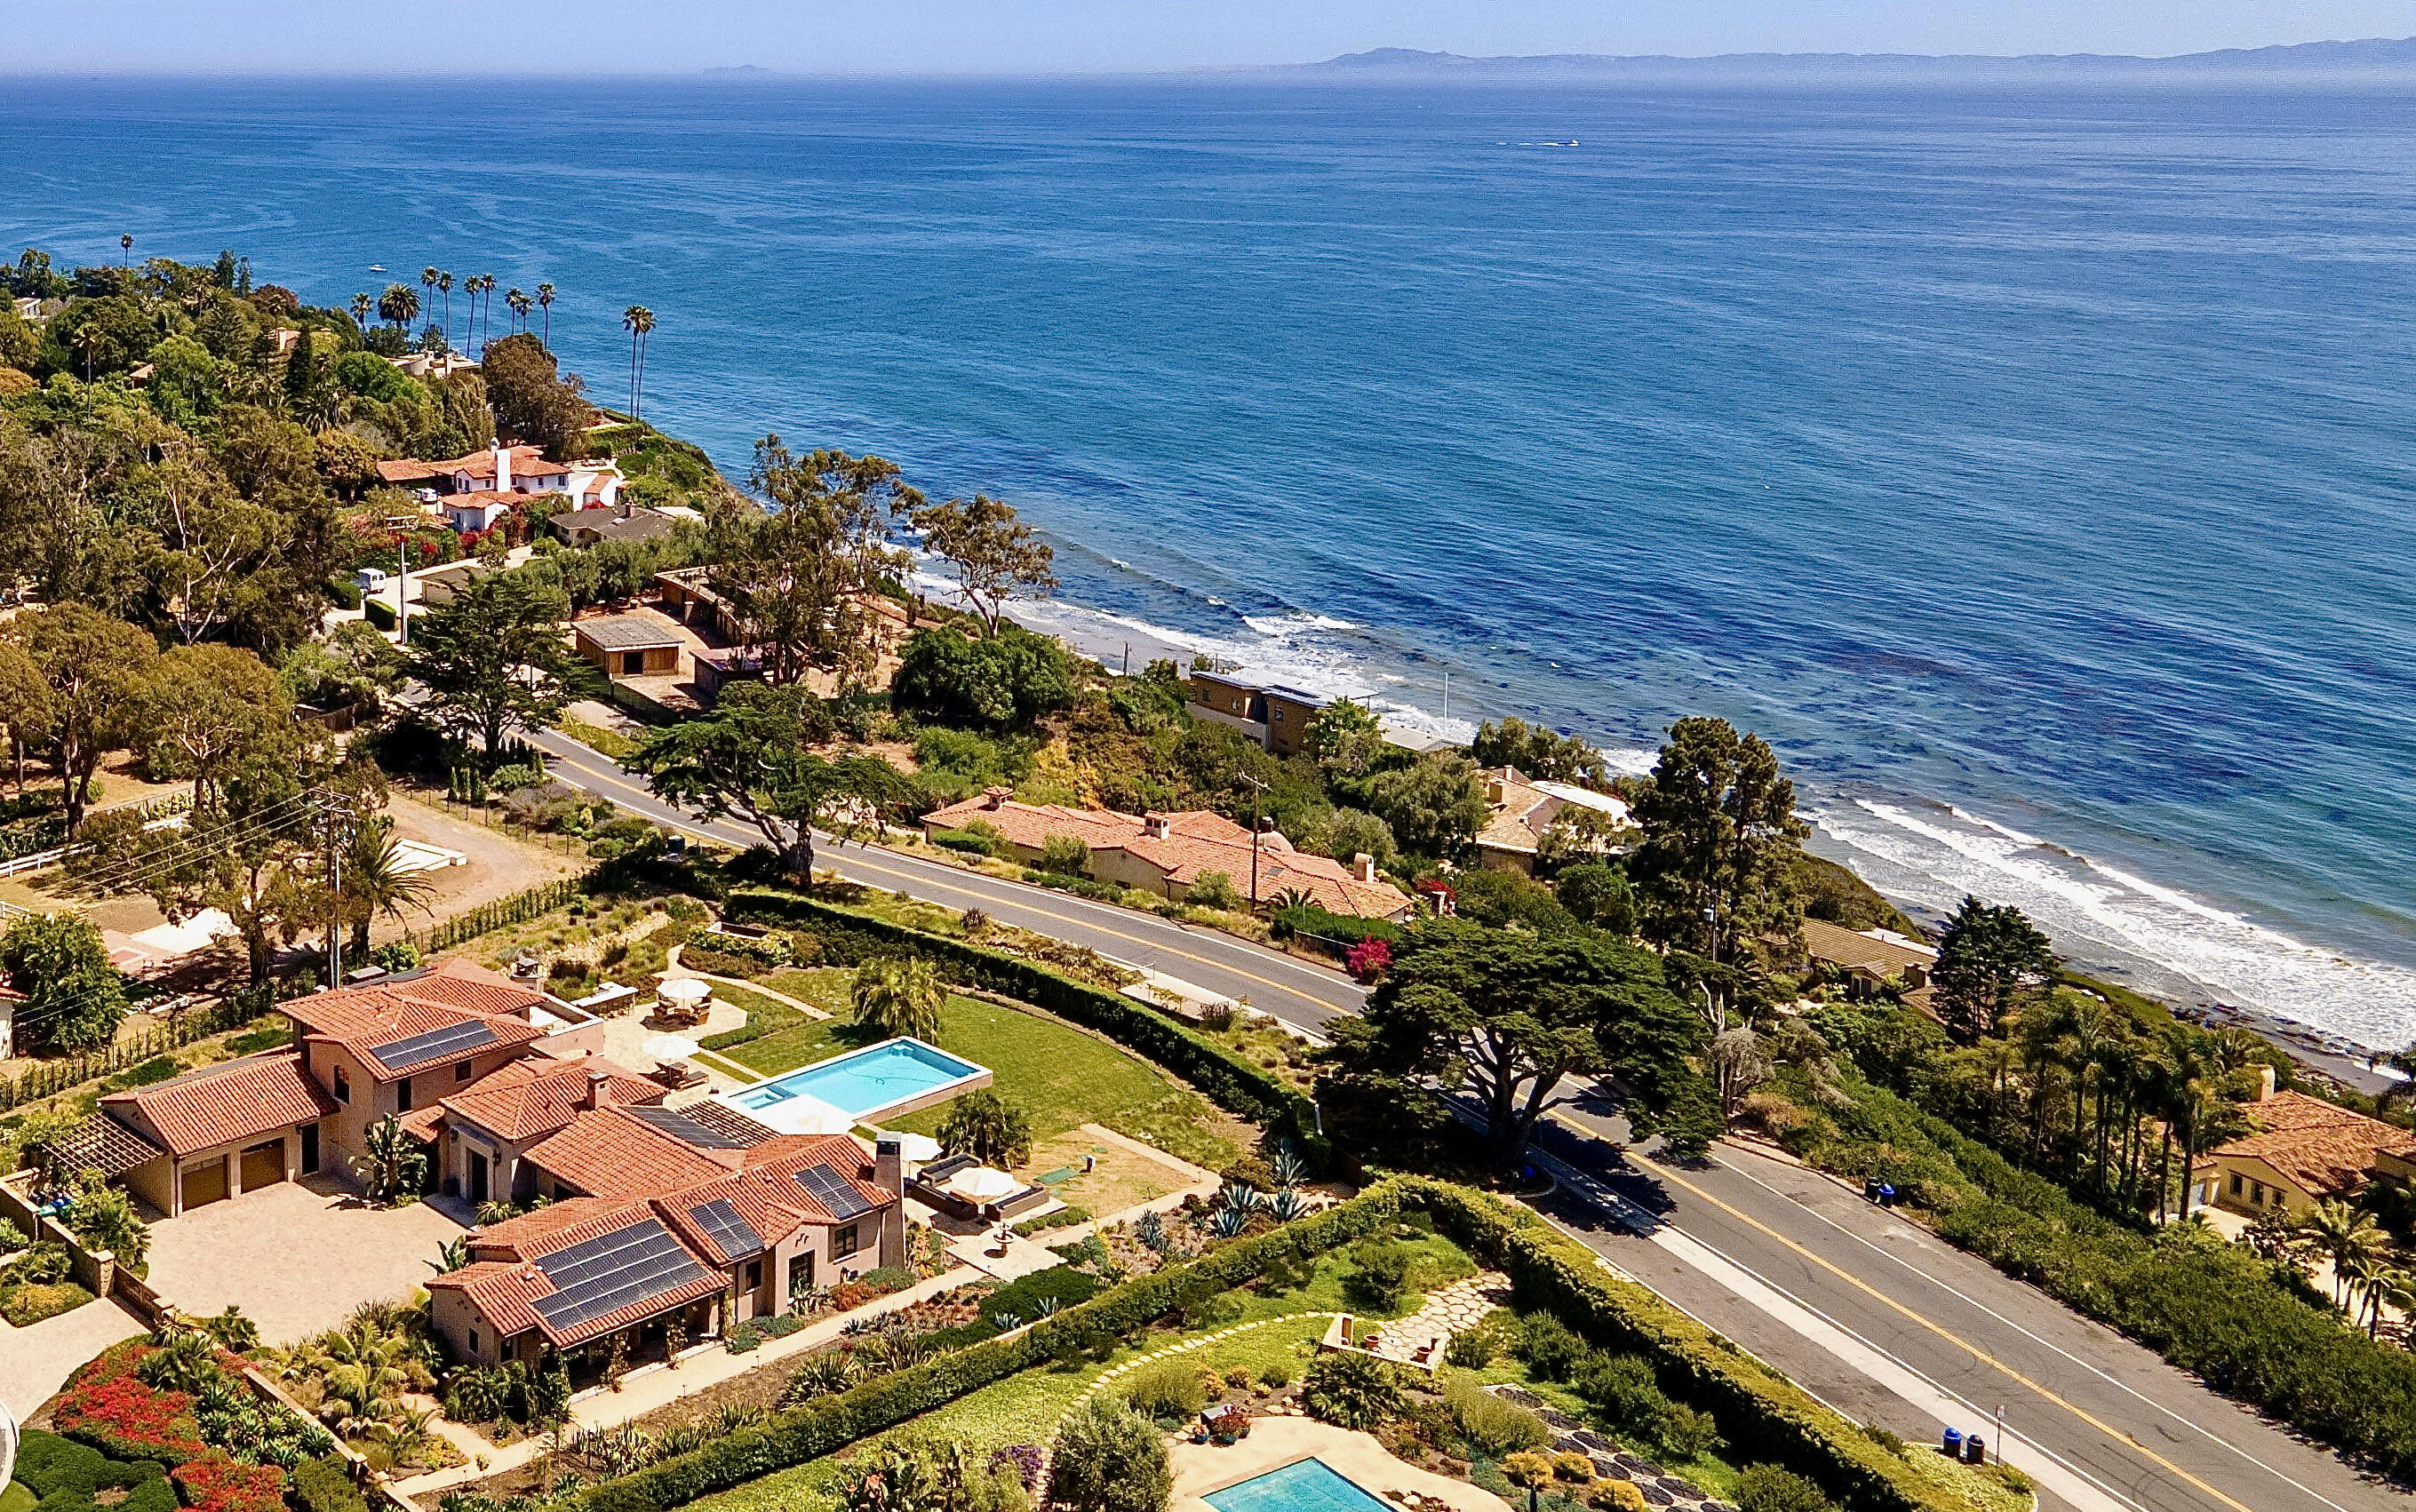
686	991
669	1046
983	1184
916	1148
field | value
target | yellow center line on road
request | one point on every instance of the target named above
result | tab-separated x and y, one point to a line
1143	941
2118	1435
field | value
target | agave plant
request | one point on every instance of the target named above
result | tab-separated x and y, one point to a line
1288	1167
1230	1222
736	1415
1046	1307
1239	1197
820	1375
1007	1322
185	1361
685	1439
1286	1205
1150	1230
617	1451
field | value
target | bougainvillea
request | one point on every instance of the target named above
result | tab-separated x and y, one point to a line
1370	959
125	1419
215	1483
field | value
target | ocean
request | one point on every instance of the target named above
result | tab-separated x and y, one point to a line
2030	465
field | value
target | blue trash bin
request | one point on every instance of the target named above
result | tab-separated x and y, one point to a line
1953	1443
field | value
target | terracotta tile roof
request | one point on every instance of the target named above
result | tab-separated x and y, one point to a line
505	1292
1851	948
221	1104
1193	842
362	1019
606	1153
407	470
423	1123
536	1095
768	1197
2327	1150
531	1234
1524	808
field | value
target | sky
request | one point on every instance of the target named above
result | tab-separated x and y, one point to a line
1024	37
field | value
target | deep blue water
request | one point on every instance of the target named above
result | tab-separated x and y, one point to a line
2034	468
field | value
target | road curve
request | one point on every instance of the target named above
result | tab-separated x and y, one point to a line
1302	994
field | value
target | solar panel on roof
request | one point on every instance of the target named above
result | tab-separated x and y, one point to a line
449	1040
834	1192
606	1274
686	1129
729	1232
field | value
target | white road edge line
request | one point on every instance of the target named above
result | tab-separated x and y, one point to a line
2207	1433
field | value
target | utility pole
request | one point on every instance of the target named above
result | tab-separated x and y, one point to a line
1446	696
334	812
402	588
1256	789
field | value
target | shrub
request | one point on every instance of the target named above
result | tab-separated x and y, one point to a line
1351	1390
27	1304
1768	1489
1169	1390
1493	1428
1110	1459
1275	1374
1688	1434
324	1485
969	840
1027	1297
1214	889
214	1482
1622	1388
39	1264
1067	855
65	1476
1471	1349
1382	1276
1548	1347
1618	1496
1064	1218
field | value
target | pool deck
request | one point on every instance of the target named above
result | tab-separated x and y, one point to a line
975	1078
1203	1469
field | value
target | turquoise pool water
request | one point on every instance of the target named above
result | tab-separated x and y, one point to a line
864	1083
1302	1486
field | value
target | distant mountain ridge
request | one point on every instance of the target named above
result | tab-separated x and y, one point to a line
2371	56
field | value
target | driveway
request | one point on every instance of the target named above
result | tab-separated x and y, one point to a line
297	1257
35	1362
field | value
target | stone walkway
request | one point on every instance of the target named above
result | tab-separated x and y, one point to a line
1611	1462
1455	1309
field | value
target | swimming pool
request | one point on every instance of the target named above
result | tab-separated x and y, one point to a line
863	1086
1309	1485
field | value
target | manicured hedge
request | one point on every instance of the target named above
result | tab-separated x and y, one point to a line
850	936
326	1485
1764	1415
1332	933
65	1476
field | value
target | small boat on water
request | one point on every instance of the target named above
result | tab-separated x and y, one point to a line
377	268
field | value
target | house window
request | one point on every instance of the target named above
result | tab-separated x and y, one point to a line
474	1341
843	1242
2235	1183
2257	1193
1275	714
461	1072
754	1274
343	1086
403	1095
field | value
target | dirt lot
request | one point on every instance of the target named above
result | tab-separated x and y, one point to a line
499	864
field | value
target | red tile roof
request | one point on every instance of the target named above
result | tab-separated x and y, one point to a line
531	1234
527	1097
2326	1149
361	1019
767	1195
407	470
222	1104
608	1154
505	1292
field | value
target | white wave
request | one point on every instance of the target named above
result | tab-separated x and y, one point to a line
2083	903
1294	622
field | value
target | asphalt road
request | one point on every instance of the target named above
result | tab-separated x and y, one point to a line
2127	1430
1747	1242
1297	991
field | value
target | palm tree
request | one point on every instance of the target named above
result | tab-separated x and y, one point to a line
125	248
390	1163
398	307
87	341
518	303
360	308
900	995
2349	1238
445	284
2393	1287
487	322
375	882
451	1255
638	320
545	302
427	282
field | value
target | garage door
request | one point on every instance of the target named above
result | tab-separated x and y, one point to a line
204	1184
264	1165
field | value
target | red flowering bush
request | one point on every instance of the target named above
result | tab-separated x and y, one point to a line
1370	959
125	1419
215	1483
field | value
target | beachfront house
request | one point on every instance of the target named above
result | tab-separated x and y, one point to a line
2302	1151
1275	715
1520	811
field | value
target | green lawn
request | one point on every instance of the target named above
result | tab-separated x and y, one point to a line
1061	1077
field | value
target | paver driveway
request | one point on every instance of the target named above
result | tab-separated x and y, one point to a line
297	1257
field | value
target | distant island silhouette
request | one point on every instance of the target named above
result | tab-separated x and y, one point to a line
2372	55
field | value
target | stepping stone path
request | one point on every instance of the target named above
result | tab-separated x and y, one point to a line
1455	1309
1611	1462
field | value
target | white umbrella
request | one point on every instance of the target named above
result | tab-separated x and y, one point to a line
686	990
983	1184
669	1046
916	1148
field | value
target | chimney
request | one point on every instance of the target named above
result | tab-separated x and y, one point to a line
1493	791
593	1097
503	454
1157	826
2264	1082
1363	866
626	511
995	798
889	1165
